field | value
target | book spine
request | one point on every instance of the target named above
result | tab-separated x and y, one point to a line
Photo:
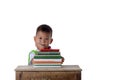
46	63
48	60
49	53
47	57
50	50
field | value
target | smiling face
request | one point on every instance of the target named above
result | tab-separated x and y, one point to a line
42	40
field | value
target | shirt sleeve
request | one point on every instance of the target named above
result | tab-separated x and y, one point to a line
31	56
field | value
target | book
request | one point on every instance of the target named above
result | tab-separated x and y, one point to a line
48	53
47	57
47	60
37	63
49	50
47	66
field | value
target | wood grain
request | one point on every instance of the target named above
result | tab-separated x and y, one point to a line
67	72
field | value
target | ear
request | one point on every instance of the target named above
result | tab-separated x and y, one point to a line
34	38
51	41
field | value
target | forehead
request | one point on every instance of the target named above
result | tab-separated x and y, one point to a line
41	33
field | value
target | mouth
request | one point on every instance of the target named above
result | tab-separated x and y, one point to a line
42	45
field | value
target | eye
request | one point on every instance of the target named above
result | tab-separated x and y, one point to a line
46	38
40	38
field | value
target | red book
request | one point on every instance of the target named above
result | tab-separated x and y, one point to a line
49	50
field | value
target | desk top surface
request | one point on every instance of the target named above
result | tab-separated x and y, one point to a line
62	68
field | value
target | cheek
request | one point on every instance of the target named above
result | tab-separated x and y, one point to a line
49	42
37	41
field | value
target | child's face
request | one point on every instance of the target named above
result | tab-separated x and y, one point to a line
42	40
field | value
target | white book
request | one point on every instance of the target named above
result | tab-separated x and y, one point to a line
55	60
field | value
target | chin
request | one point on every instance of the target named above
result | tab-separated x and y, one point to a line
41	48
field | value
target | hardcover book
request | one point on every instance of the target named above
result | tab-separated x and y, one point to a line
49	50
48	53
47	60
47	57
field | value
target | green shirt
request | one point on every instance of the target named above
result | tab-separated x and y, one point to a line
31	56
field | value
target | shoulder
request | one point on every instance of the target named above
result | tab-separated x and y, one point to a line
34	52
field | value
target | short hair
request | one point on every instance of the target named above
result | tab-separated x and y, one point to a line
44	28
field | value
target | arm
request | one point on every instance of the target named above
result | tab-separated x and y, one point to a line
31	56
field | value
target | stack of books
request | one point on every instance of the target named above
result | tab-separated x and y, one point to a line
48	58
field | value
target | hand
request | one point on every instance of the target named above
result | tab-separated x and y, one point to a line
32	61
63	59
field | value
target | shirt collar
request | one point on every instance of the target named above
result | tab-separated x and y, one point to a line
45	48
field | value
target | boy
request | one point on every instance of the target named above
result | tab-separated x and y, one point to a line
43	39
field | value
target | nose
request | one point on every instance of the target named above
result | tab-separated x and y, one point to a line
43	41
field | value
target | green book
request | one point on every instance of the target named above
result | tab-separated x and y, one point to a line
48	53
47	57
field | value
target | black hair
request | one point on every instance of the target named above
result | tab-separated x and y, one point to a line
44	28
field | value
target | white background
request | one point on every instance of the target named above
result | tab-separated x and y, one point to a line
87	32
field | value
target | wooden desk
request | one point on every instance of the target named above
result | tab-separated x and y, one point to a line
66	72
